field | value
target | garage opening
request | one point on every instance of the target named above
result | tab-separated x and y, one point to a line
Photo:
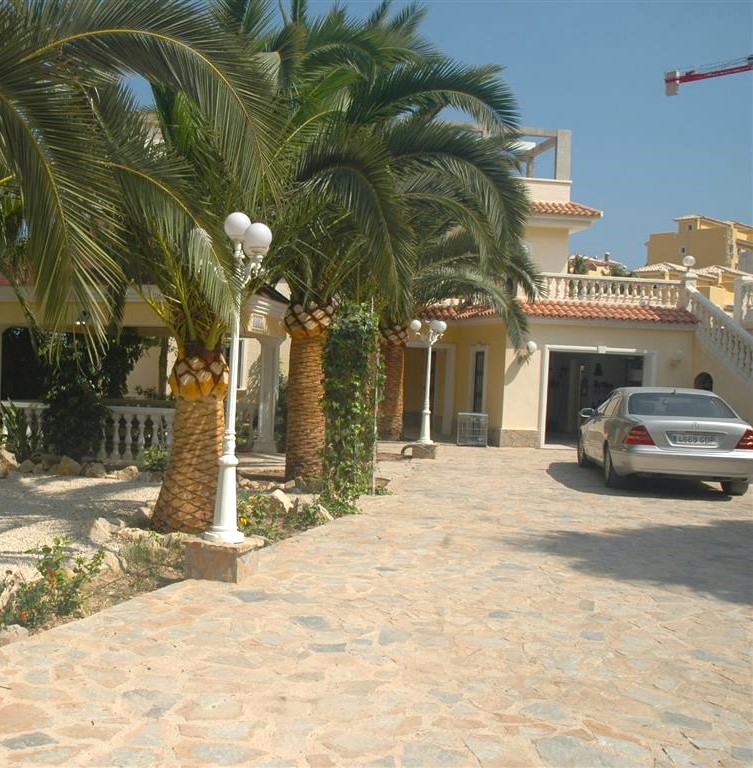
579	380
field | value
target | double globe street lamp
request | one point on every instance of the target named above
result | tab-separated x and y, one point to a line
251	243
429	333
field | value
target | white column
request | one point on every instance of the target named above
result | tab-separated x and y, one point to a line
269	381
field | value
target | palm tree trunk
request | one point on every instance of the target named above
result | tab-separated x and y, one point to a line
390	423
186	499
391	407
305	428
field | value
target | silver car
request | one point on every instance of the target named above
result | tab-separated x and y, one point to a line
670	432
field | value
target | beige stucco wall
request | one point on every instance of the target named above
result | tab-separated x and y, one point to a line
549	248
549	190
728	384
707	246
467	336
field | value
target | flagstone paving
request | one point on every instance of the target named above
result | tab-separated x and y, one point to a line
500	608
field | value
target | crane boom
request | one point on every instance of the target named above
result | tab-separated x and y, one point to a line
674	77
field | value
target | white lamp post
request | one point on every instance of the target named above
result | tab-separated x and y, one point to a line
429	333
251	243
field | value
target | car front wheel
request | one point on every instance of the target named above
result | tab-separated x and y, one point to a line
583	460
611	478
735	487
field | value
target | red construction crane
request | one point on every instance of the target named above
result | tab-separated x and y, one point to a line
674	77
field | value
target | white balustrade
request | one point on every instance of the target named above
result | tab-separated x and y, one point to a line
601	289
743	311
722	334
128	430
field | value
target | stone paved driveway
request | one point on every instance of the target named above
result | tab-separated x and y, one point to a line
500	609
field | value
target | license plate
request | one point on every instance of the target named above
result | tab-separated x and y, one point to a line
705	440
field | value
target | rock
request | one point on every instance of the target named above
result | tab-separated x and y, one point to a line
281	501
12	633
8	462
26	466
127	473
39	469
67	467
49	460
111	562
100	530
136	534
324	513
141	518
301	484
289	486
94	469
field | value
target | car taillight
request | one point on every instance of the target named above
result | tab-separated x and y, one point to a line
746	441
638	436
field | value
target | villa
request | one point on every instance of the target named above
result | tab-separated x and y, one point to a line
588	334
671	326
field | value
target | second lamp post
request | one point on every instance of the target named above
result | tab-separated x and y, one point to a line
429	333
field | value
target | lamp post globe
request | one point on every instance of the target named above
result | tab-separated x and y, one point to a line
256	239
415	325
236	225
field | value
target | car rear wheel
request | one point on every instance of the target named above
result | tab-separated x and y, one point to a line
734	487
583	460
611	478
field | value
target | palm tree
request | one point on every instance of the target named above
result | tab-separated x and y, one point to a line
56	58
105	203
370	149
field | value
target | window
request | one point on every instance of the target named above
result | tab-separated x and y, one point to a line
679	404
479	362
612	406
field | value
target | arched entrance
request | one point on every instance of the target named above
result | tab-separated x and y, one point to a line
704	381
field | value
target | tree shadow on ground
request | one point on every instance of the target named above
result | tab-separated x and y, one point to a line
589	480
711	559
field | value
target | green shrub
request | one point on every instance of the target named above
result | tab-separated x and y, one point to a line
352	378
147	561
155	459
59	590
23	438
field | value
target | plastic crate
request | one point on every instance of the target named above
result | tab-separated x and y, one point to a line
473	429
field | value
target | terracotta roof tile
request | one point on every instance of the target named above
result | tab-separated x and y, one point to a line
592	311
571	310
564	209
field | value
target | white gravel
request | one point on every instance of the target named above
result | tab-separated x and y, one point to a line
36	508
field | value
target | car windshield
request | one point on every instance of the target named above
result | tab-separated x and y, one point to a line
678	404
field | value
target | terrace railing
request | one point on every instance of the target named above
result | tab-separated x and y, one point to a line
128	429
721	334
743	311
611	290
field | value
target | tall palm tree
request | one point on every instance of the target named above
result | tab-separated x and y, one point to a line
380	122
56	57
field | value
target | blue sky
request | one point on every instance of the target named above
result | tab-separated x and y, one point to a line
596	68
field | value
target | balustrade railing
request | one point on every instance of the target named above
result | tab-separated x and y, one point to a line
743	311
601	289
722	334
127	430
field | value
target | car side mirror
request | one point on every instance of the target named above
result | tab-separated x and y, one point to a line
587	413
